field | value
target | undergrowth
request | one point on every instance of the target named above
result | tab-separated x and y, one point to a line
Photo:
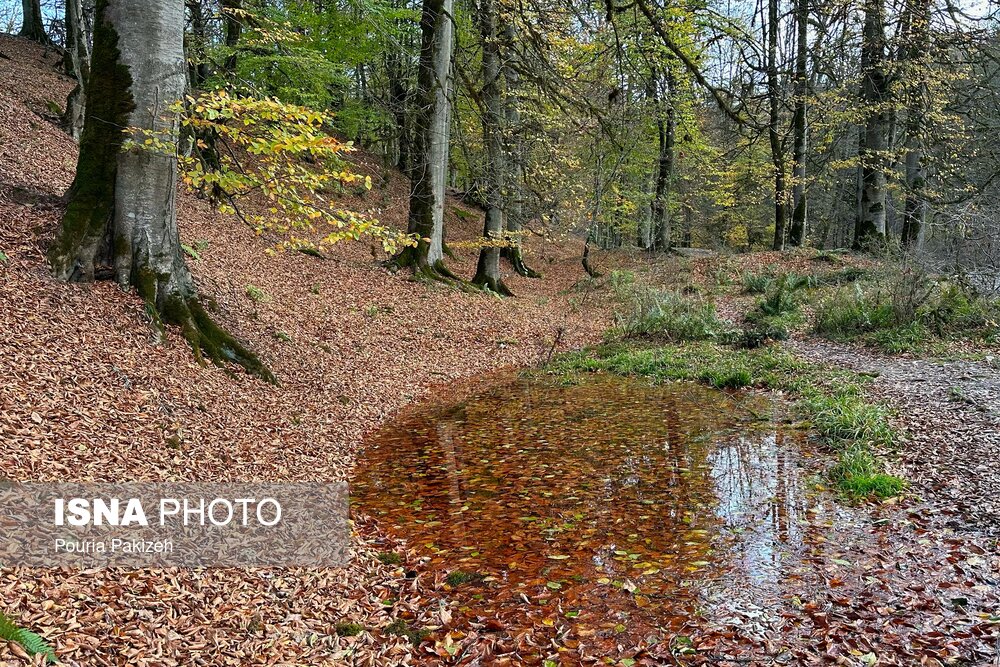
647	312
30	641
830	400
907	310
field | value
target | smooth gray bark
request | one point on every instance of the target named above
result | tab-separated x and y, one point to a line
488	267
431	141
120	220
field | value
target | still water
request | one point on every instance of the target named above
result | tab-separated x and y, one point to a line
600	512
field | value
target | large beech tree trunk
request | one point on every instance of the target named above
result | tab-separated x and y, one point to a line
430	149
120	221
488	267
873	145
32	24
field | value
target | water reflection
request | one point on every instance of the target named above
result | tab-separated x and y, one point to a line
627	505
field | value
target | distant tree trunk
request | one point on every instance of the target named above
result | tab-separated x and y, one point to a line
916	207
120	221
233	21
873	145
774	119
488	267
515	168
666	127
797	231
431	133
198	70
32	24
77	65
398	96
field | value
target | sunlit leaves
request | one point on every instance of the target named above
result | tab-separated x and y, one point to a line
280	156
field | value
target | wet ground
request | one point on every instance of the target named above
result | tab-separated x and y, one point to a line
606	515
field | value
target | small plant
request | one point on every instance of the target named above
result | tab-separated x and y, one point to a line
390	558
282	336
756	283
458	577
349	629
401	628
190	252
257	294
30	641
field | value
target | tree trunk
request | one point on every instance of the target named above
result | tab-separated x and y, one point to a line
774	137
431	134
666	126
198	69
515	169
233	20
488	267
120	220
873	145
398	95
32	24
77	65
797	231
916	207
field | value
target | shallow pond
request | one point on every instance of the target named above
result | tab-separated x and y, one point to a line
602	512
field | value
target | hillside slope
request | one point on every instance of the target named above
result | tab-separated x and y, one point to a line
87	396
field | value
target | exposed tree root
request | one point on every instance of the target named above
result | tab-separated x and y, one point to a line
496	286
208	341
516	259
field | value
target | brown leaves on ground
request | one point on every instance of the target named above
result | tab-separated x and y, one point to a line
87	396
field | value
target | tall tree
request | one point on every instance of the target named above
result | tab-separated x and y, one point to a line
666	130
120	220
873	143
488	267
77	64
431	133
32	23
917	61
797	231
773	125
514	186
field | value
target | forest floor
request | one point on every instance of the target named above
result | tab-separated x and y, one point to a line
86	396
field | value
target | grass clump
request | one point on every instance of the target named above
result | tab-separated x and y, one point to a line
645	312
390	558
256	294
401	628
349	629
776	314
906	311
